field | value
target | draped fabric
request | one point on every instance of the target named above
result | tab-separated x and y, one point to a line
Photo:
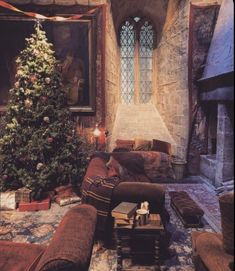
97	191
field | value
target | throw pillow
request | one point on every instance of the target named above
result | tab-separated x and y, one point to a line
142	145
128	144
161	146
157	165
227	220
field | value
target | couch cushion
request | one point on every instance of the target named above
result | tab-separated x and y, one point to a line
209	247
157	165
138	192
227	219
161	146
71	245
19	256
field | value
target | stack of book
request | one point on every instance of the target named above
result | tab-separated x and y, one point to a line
124	214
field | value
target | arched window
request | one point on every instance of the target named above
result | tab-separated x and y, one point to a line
137	37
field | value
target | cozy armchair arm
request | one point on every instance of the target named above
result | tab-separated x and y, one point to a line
71	245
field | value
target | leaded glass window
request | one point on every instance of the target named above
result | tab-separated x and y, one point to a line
137	37
127	41
146	43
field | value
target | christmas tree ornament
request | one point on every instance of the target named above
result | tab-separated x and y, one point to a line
39	166
28	91
17	84
28	103
19	73
44	98
50	139
46	119
5	177
33	78
35	52
47	80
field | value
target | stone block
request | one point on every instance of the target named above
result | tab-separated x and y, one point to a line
208	166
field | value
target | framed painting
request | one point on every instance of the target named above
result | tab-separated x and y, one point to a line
75	48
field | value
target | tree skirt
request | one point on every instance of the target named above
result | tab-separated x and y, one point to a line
38	227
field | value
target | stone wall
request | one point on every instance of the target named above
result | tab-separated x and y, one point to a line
225	144
112	81
172	96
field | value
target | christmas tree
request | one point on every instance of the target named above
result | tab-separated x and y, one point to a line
39	149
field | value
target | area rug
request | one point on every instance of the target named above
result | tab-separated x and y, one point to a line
38	227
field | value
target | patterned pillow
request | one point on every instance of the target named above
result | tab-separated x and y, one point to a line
142	145
157	164
161	146
128	144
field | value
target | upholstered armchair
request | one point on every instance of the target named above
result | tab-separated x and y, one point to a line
215	251
70	248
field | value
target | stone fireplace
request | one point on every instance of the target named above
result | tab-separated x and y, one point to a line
218	94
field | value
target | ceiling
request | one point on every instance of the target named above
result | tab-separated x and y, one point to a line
155	10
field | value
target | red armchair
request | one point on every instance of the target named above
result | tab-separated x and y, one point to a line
69	249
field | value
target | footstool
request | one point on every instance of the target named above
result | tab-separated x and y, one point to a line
187	209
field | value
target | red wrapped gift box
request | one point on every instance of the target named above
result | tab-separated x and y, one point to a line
35	205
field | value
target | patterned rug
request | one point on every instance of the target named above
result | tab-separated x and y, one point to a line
38	227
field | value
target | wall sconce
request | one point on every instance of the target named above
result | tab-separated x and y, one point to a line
96	134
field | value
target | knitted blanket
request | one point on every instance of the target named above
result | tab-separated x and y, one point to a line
97	191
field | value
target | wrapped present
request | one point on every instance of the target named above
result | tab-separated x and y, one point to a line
7	200
23	195
64	189
65	200
35	205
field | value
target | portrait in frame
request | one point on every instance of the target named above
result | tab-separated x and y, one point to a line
75	48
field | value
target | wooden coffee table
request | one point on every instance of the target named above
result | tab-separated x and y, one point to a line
132	239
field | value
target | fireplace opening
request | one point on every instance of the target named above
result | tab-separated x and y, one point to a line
212	128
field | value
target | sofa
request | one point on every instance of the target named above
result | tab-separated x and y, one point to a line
133	184
70	248
215	251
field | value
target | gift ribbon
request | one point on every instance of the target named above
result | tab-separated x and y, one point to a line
42	17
